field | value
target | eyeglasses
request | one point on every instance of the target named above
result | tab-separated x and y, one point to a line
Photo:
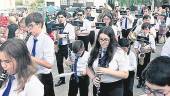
79	14
155	92
104	40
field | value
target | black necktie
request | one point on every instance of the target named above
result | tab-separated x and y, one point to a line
34	47
8	88
75	68
126	23
60	42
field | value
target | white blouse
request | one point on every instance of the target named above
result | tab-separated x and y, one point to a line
33	87
120	62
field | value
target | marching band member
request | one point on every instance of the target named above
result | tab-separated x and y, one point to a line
107	65
146	12
16	60
144	49
63	43
146	19
126	23
82	33
129	82
79	79
41	47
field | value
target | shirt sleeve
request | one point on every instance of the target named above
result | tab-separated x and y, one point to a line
165	49
34	87
122	60
48	53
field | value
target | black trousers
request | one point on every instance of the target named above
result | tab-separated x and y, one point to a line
85	40
125	32
82	85
140	68
110	89
47	80
62	52
92	37
128	84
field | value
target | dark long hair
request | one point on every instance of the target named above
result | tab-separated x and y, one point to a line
110	49
16	49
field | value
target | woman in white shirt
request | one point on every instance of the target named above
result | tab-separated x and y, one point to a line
107	65
16	61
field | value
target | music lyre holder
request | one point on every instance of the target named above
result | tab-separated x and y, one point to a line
57	26
99	25
90	18
143	39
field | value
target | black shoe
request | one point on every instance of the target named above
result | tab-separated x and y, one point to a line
139	85
60	82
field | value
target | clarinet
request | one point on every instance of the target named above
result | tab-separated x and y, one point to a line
3	77
27	37
99	75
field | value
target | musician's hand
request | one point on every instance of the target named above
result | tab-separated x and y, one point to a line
60	36
96	81
68	62
77	32
101	70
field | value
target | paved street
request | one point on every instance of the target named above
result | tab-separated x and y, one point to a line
63	89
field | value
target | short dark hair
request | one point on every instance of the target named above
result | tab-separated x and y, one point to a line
80	10
77	45
34	17
157	72
146	26
124	42
88	8
146	17
127	8
62	13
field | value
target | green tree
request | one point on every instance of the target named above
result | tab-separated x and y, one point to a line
36	5
18	2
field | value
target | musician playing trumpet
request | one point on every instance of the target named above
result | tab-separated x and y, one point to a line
143	49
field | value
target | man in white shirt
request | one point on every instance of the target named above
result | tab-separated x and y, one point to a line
41	48
83	32
144	47
64	38
126	24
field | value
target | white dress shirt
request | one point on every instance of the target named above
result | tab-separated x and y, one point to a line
33	87
132	61
120	62
85	30
44	50
82	62
129	22
69	28
165	49
137	44
138	30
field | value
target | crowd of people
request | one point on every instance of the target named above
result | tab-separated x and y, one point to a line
96	46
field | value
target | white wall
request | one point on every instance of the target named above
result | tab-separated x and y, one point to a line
7	4
98	3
